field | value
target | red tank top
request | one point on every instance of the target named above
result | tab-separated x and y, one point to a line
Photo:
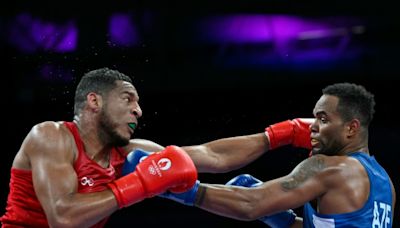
23	208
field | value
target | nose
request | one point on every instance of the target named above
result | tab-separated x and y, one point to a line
313	125
137	111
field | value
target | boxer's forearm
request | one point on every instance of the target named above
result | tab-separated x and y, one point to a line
229	201
228	154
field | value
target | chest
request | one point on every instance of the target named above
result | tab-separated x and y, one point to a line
92	177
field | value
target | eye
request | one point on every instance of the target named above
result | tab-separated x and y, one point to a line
323	119
127	99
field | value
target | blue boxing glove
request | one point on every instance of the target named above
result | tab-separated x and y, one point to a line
280	220
133	158
244	180
138	155
187	198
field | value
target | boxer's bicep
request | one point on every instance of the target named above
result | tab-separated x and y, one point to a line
303	184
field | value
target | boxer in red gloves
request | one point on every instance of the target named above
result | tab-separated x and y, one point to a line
69	173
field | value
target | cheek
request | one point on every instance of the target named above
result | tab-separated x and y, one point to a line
328	133
332	134
117	109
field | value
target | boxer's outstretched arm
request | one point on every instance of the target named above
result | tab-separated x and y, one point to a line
307	181
232	153
227	154
224	155
217	156
55	182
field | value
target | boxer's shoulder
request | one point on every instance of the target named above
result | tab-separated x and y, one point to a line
44	140
48	137
50	130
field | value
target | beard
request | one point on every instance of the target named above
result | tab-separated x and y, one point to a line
330	149
108	133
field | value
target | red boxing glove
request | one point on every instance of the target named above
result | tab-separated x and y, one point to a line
295	132
169	168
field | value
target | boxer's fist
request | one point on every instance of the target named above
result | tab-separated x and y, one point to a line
187	198
244	180
160	171
279	220
133	158
295	132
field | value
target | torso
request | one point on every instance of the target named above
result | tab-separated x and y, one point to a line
360	194
92	177
348	186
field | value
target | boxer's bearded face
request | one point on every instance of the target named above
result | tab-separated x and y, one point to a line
120	109
328	131
109	129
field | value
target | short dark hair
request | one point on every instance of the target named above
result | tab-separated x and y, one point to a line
354	101
100	81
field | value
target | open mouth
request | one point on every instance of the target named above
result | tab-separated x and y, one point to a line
314	142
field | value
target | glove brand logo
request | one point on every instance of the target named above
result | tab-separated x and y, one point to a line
152	171
156	168
87	181
164	164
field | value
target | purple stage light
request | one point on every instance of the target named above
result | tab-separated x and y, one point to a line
281	40
122	30
29	35
266	28
236	29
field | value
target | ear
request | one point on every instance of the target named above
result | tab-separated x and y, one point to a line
94	101
353	127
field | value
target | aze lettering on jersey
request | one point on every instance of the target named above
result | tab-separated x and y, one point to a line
382	215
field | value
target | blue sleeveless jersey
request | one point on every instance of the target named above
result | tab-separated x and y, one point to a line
377	211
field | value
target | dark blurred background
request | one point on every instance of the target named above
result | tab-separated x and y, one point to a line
204	70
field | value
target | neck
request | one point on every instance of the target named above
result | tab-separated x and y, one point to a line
360	149
94	148
357	146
